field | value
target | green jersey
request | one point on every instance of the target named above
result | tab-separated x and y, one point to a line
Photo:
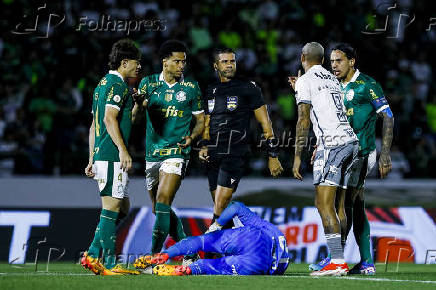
169	115
363	99
111	91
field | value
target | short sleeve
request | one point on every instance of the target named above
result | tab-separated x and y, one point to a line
376	96
256	96
196	105
302	92
117	96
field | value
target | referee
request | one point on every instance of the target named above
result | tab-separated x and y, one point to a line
229	104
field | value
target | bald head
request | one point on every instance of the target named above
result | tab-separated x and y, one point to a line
313	52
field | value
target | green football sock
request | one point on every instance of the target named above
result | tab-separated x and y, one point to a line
161	227
121	216
176	227
94	249
108	237
176	230
362	230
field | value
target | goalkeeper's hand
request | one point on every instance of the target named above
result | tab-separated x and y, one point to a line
214	227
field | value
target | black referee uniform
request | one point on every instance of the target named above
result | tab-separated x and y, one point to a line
230	106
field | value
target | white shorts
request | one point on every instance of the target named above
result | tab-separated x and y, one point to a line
363	166
111	179
332	166
170	165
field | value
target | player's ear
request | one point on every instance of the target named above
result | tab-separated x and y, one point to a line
215	66
352	62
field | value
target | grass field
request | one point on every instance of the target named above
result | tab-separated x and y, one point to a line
71	276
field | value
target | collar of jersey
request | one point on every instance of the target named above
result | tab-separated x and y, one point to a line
353	79
161	78
114	72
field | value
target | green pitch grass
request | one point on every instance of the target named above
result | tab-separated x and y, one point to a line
67	276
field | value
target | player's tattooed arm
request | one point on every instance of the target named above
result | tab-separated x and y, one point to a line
197	131
302	130
91	138
203	153
385	164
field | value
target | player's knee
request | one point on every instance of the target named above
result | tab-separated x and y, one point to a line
163	198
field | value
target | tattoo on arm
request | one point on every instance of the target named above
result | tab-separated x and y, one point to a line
199	126
303	126
206	135
388	133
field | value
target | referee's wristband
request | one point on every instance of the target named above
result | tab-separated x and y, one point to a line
271	147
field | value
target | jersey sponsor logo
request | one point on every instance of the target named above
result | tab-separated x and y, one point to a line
373	95
350	95
167	151
213	91
234	270
350	112
103	82
211	105
117	98
171	111
232	103
110	95
181	96
188	84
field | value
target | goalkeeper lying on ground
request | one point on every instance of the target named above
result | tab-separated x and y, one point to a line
255	248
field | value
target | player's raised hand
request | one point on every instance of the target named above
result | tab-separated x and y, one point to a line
384	164
188	141
275	167
203	155
125	160
296	168
293	79
88	171
137	97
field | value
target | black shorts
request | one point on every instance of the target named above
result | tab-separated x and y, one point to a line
225	171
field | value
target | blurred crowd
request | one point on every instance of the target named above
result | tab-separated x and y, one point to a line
48	74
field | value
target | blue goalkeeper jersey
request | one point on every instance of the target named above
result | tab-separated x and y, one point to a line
248	218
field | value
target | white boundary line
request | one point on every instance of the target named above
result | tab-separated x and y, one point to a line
300	276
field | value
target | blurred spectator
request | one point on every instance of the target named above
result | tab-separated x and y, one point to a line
47	83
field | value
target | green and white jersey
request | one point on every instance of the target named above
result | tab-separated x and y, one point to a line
169	114
111	91
363	99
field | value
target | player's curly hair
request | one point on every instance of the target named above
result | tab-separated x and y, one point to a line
168	47
123	49
347	49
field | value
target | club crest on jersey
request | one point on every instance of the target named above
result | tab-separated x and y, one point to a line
232	103
211	105
350	95
181	96
117	98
